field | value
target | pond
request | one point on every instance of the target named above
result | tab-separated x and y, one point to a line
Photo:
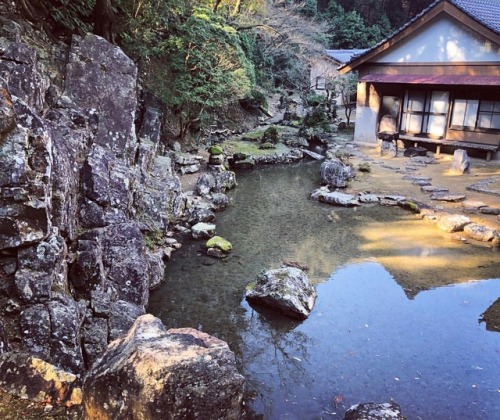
396	318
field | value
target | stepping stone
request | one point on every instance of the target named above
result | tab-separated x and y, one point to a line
368	198
453	222
419	160
421	183
391	167
487	186
490	210
471	206
433	189
447	197
416	178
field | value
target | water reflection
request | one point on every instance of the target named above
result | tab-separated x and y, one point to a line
365	340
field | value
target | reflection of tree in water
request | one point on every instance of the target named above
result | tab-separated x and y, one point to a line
274	344
492	317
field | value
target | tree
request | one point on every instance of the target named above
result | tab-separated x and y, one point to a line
199	68
104	19
344	87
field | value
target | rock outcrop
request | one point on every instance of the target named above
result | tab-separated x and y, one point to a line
154	373
79	190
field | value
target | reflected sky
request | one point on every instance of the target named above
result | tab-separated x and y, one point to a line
366	341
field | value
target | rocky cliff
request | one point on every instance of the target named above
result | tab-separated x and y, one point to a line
82	184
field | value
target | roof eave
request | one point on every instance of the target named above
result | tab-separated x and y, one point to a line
438	8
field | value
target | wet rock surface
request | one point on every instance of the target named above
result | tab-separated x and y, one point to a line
286	290
373	411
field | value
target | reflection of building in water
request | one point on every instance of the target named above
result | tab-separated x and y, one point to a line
492	317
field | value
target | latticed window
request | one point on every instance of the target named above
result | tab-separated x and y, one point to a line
475	114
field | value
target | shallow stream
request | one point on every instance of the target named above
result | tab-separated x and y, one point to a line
396	318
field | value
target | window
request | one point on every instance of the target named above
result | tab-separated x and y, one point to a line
320	83
425	112
489	115
475	114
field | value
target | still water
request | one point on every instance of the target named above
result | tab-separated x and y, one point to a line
396	318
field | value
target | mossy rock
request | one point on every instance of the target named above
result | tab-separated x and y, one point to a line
220	243
215	150
267	145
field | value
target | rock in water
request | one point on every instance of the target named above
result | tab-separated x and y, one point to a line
374	411
335	173
286	290
151	373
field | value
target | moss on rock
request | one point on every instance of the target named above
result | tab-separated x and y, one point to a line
215	150
220	243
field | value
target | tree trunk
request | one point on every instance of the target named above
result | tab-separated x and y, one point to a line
103	18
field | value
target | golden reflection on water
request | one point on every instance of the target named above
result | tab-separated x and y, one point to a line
420	256
414	251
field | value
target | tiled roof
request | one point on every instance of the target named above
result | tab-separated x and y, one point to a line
487	12
343	56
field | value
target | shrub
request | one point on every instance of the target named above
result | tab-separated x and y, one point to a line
271	135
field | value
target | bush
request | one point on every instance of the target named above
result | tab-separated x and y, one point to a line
254	100
317	118
314	99
271	135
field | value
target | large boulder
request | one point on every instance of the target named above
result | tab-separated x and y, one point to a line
482	233
203	230
154	373
215	182
453	222
373	411
335	173
286	290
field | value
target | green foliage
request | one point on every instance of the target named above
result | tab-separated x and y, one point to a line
316	118
154	239
344	86
313	99
205	66
61	15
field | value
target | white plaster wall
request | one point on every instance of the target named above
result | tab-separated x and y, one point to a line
443	40
366	122
322	67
